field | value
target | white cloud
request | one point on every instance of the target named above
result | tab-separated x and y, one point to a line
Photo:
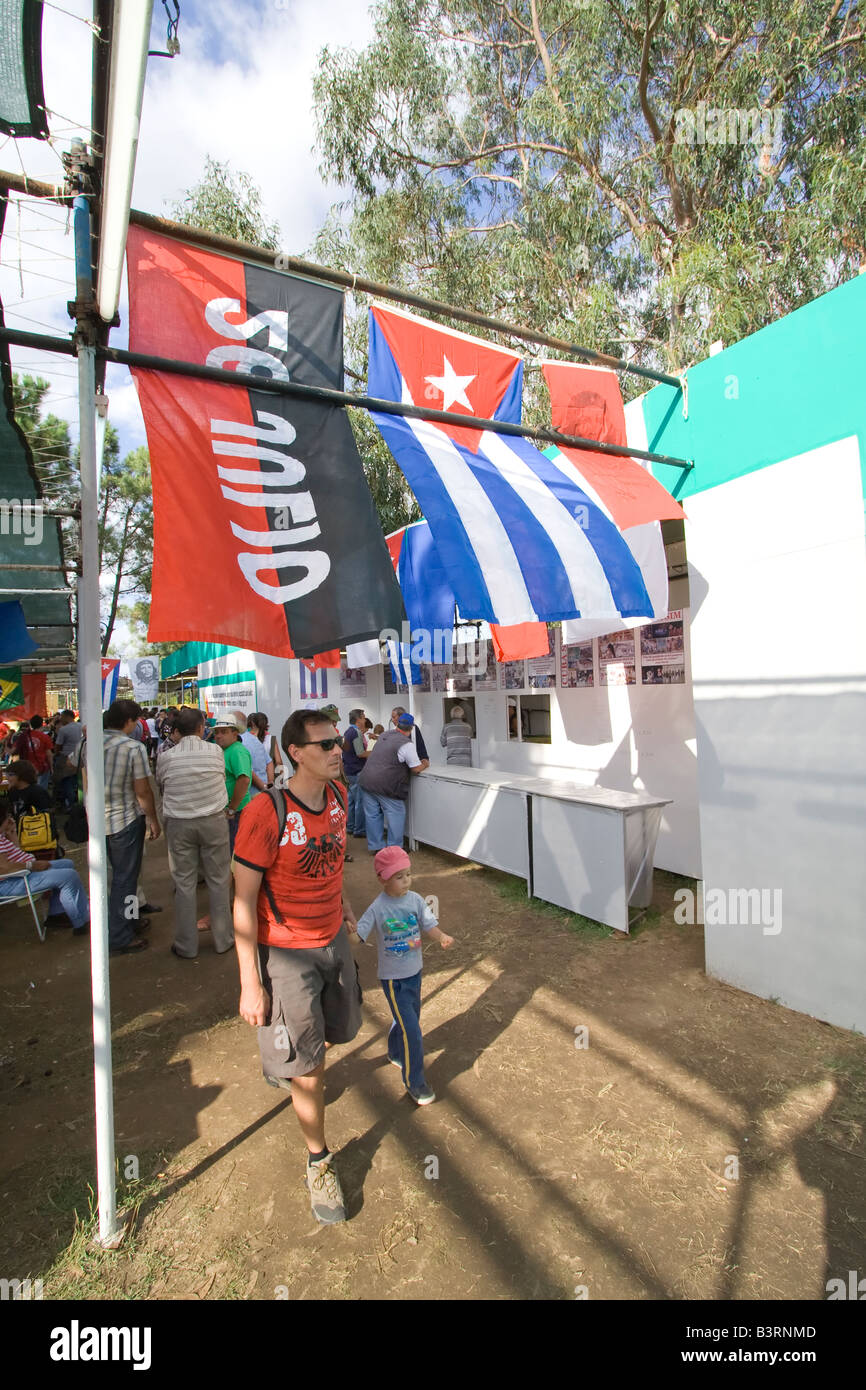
241	91
254	109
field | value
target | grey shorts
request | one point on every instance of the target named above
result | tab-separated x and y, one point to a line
315	998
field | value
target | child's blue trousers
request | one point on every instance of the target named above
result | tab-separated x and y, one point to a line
405	1044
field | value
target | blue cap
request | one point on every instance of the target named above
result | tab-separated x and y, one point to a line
405	721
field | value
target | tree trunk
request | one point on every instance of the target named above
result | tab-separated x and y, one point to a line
109	627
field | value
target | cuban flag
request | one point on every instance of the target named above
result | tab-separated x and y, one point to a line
110	672
519	538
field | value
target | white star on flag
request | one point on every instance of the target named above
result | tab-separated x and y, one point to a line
452	386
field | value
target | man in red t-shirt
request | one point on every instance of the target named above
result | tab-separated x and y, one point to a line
34	746
288	917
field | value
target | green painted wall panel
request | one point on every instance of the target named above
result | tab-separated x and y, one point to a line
797	384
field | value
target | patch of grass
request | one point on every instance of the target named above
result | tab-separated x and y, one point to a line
513	891
64	1201
854	1068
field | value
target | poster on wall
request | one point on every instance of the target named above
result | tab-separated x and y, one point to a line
460	679
424	687
512	675
353	681
439	678
662	651
575	666
223	696
616	659
541	670
144	673
485	670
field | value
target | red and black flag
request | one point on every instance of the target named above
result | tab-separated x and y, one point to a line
265	532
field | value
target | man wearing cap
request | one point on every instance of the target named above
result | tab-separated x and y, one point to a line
417	736
239	771
331	712
385	784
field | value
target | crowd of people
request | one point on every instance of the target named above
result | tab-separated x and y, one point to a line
267	819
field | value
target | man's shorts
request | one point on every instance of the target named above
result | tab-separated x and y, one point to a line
315	998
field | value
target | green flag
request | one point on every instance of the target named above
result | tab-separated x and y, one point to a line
11	690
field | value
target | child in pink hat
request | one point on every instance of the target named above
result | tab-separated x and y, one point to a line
398	917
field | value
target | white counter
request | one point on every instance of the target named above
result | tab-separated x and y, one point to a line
586	848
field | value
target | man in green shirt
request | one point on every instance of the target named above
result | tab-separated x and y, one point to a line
239	771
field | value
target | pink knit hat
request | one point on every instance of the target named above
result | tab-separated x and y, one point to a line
390	861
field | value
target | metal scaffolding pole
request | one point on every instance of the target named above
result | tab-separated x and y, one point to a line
90	686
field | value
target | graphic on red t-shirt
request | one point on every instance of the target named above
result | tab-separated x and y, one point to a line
300	900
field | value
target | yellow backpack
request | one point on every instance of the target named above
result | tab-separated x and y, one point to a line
36	832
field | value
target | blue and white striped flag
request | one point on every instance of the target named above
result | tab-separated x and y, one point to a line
518	537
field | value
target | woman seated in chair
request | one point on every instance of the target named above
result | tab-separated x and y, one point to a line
68	905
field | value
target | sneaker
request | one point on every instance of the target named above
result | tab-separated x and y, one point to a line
422	1095
395	1063
326	1194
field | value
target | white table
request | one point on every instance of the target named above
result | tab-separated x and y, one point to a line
588	849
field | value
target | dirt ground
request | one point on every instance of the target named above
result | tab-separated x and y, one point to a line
705	1144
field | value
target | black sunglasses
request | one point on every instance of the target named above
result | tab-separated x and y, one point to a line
326	744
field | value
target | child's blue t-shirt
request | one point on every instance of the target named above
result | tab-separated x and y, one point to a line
397	923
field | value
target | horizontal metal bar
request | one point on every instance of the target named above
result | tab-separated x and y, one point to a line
55	569
371	403
36	591
294	265
147	362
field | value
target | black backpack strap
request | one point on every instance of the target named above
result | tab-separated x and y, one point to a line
340	792
279	800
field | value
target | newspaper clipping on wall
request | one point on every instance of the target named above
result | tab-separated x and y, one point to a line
616	658
575	666
662	651
541	670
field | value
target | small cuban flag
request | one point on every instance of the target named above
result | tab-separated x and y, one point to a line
110	672
519	538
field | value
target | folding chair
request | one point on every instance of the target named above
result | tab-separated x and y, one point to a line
26	897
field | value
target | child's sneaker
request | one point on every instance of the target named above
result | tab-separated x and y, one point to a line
395	1063
326	1194
422	1095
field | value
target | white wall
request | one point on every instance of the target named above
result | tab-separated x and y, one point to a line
630	738
777	564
